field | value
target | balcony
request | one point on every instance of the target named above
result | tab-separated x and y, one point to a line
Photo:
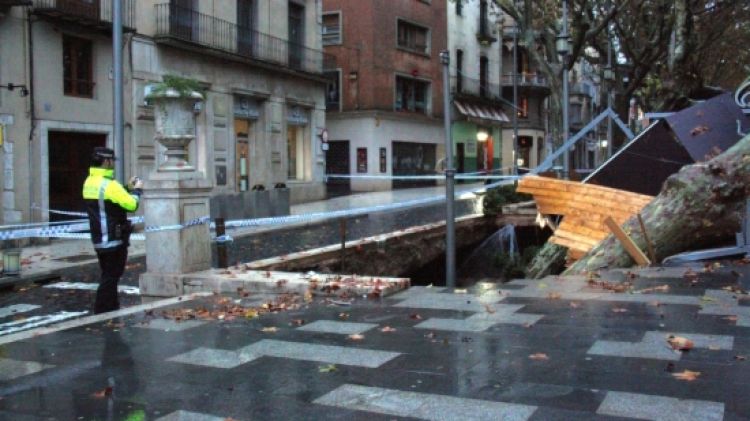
526	79
473	88
96	14
186	28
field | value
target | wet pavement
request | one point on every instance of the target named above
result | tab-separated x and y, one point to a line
556	349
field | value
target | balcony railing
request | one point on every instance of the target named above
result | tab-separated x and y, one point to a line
203	30
86	12
462	85
526	79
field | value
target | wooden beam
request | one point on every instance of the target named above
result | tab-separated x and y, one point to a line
627	242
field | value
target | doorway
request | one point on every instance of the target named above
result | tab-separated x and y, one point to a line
337	162
68	161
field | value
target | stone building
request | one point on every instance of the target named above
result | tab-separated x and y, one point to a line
260	62
384	103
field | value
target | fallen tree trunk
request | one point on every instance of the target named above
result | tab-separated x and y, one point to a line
698	207
550	260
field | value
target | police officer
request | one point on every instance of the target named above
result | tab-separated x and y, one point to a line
107	204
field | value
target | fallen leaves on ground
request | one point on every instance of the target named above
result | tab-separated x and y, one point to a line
554	296
686	375
459	291
270	329
225	308
539	356
343	316
730	318
327	368
356	337
298	322
679	343
740	357
489	309
415	316
691	276
610	286
387	329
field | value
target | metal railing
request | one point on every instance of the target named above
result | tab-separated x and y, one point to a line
474	87
526	79
211	32
94	11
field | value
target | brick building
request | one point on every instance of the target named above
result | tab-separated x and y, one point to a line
384	101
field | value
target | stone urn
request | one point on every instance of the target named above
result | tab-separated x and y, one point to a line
174	115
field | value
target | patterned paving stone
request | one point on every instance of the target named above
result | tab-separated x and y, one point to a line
189	416
450	301
169	325
330	354
422	405
490	316
17	309
654	345
11	369
660	408
338	327
725	303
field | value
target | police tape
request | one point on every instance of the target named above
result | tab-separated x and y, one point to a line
73	231
419	177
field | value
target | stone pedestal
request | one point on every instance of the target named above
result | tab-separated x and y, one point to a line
169	199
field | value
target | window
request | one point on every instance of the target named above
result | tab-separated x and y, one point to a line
483	27
298	143
333	90
459	7
413	37
523	107
78	78
459	70
484	67
411	95
332	28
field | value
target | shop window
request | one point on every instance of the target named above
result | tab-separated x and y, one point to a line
523	107
332	28
411	95
413	37
78	73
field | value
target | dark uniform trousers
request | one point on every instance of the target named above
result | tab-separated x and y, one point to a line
112	263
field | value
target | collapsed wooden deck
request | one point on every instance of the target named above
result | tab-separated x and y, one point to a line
584	208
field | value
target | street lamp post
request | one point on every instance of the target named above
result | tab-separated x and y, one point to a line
118	120
450	239
515	98
609	77
564	49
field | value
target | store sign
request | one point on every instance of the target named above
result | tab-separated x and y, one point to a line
246	107
297	116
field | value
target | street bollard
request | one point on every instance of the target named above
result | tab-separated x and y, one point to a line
221	245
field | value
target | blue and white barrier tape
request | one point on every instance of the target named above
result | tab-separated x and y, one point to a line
419	177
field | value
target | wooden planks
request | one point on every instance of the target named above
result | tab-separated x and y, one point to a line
584	207
627	242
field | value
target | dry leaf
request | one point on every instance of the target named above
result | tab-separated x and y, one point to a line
740	357
687	375
327	368
251	314
388	329
107	391
661	288
574	304
356	337
538	356
554	296
489	309
298	322
730	318
415	316
308	296
680	343
459	291
269	329
343	316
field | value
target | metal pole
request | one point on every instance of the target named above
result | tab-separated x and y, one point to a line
342	232
610	84
119	142
450	241
221	245
515	100
566	124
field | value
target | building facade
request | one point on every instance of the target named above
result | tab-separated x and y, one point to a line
478	111
384	100
533	89
260	62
